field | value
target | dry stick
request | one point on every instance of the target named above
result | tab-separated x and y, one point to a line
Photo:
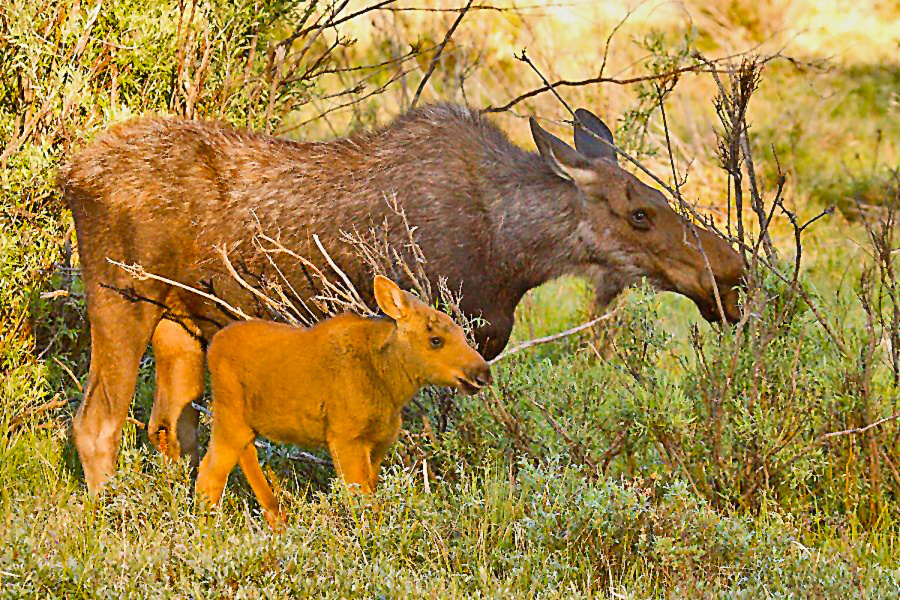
284	297
574	447
351	290
550	338
550	87
223	252
298	28
730	160
857	430
437	54
330	23
401	73
69	372
521	440
349	298
140	274
755	198
17	422
609	38
715	286
890	464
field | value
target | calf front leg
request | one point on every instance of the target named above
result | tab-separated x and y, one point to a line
249	462
353	462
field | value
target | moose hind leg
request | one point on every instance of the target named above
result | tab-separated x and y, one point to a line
120	331
180	370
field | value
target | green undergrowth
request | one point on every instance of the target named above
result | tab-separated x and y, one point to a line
499	530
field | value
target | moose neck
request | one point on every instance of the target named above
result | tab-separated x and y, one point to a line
538	219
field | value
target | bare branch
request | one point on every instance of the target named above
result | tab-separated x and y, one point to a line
437	54
551	338
138	272
858	429
549	87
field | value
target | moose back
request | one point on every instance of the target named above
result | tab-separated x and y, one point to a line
492	218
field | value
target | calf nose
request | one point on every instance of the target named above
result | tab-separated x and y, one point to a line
482	376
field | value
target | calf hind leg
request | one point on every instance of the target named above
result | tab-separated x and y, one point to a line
249	462
180	368
225	448
230	436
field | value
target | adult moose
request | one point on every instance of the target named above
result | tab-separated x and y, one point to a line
494	219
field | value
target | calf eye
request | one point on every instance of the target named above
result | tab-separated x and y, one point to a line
436	342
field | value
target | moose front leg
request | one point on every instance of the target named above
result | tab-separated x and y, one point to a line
491	337
115	359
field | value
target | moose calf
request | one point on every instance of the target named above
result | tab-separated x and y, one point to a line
340	384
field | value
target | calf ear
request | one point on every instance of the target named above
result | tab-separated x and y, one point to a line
589	127
564	160
393	301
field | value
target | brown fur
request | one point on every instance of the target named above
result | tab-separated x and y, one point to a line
493	219
339	385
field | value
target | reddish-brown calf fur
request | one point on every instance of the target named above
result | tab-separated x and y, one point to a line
340	385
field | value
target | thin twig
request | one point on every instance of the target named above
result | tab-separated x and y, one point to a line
578	451
547	87
223	252
550	338
19	421
350	287
858	429
437	55
335	22
138	272
70	373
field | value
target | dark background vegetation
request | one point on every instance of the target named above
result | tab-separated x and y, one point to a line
652	456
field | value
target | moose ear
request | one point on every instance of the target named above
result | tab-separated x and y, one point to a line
589	127
393	301
564	160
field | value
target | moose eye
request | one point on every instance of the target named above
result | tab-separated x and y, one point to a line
639	218
436	342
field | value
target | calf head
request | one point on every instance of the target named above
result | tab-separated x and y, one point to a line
630	230
432	346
